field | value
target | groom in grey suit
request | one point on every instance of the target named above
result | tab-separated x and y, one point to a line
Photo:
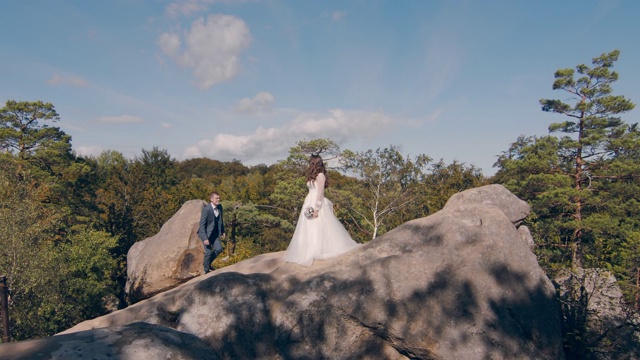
211	230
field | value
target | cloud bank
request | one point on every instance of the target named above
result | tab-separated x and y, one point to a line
211	48
58	79
268	144
262	102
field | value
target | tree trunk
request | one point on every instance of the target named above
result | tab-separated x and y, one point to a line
637	302
576	249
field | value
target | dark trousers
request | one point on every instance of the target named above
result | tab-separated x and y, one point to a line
210	253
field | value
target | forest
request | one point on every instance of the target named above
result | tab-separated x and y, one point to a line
67	221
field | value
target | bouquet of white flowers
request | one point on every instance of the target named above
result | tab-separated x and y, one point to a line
308	212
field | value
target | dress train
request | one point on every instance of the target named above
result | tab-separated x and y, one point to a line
318	238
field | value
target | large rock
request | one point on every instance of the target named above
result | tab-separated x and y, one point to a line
496	195
169	258
595	318
460	284
137	341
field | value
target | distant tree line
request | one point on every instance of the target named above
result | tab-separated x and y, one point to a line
67	221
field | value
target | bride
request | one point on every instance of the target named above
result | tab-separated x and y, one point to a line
319	234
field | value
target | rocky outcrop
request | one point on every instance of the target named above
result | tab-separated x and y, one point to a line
137	341
169	258
495	195
595	319
459	284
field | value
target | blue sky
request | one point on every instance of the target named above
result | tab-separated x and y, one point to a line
232	79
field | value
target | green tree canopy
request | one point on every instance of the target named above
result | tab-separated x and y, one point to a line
592	125
54	281
583	185
24	128
388	183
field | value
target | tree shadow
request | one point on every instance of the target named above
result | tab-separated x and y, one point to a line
590	329
111	343
137	292
331	315
359	311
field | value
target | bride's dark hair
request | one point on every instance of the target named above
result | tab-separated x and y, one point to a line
316	166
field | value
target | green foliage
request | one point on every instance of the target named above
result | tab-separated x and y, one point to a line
387	184
568	180
157	168
288	194
582	186
261	224
79	284
444	180
596	133
22	134
243	249
156	196
53	284
39	150
530	155
67	222
199	168
300	153
288	187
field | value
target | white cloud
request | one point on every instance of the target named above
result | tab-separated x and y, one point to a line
58	79
88	150
260	103
272	143
186	7
169	43
211	48
338	15
122	119
165	125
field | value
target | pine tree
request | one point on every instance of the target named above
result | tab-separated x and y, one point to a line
591	129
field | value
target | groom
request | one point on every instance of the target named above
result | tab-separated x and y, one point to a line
211	230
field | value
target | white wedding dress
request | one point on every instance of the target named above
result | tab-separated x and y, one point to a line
321	237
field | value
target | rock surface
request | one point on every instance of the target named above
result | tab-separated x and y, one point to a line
496	195
459	284
137	341
169	258
603	326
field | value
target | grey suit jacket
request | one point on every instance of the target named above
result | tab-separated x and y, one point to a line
207	222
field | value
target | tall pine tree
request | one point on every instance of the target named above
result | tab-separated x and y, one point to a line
582	185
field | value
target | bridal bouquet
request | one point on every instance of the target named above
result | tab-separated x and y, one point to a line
308	212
